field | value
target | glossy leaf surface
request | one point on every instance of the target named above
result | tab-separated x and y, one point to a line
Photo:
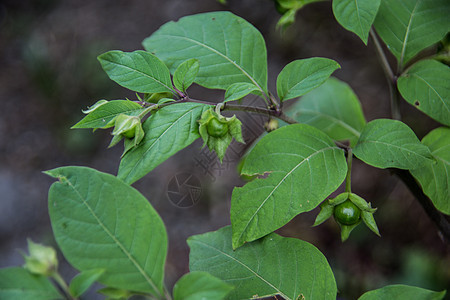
402	292
167	131
303	165
434	177
229	49
138	71
18	283
101	222
200	285
273	265
409	26
356	15
102	115
185	74
386	143
426	86
303	75
333	108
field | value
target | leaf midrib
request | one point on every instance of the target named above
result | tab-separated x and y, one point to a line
223	56
248	268
158	139
116	241
139	72
276	187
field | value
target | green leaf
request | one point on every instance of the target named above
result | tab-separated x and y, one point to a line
303	75
138	71
333	108
18	283
426	86
386	143
402	292
83	281
356	16
409	26
185	74
101	222
229	49
434	177
273	265
167	131
200	285
104	114
239	90
304	167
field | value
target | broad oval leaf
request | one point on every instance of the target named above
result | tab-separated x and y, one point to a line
303	75
83	281
229	49
434	177
304	167
18	283
185	74
167	131
402	292
102	115
386	143
333	108
426	86
103	223
138	71
239	90
409	26
200	285
356	16
273	265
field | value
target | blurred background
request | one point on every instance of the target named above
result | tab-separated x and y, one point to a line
49	73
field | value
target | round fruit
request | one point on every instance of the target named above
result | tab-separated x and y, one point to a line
129	134
216	128
347	213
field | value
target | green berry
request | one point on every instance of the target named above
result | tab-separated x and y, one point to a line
347	213
216	128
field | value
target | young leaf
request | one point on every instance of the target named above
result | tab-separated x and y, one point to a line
200	285
104	114
304	167
434	177
426	86
101	222
18	283
138	71
409	26
229	49
303	75
402	292
273	265
333	108
356	16
167	131
185	74
239	90
386	143
83	281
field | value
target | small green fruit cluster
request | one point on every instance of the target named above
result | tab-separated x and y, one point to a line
348	210
217	131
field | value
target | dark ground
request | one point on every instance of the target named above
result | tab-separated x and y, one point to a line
49	72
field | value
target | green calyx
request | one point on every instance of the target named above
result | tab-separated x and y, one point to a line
128	127
348	210
217	131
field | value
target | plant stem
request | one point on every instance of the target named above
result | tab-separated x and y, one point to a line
63	285
348	178
390	76
439	219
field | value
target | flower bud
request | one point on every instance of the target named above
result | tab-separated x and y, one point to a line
42	259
